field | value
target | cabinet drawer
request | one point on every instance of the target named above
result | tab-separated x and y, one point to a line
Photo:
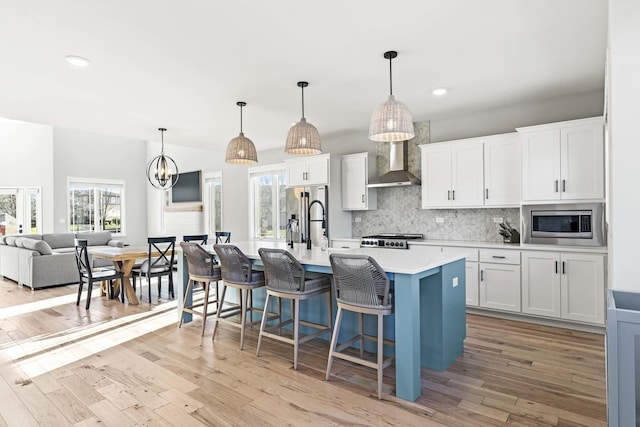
345	244
499	256
471	254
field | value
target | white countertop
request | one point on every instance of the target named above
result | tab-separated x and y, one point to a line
413	261
496	245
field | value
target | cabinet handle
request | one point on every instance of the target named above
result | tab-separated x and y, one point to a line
486	192
363	198
556	267
556	185
448	194
498	257
563	271
564	185
453	194
481	275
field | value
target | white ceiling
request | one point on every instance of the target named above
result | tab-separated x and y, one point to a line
184	64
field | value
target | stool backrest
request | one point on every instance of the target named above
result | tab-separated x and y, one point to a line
359	280
282	271
201	263
202	238
223	237
235	265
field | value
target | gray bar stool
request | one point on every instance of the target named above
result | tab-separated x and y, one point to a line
286	278
361	286
236	273
202	269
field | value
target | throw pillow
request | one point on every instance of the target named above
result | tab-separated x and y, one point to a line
37	245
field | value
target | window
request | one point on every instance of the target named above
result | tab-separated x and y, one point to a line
268	202
20	211
213	201
96	205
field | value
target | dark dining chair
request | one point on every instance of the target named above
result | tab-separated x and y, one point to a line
223	237
199	238
157	266
90	276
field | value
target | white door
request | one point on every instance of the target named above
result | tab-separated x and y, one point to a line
467	185
502	171
436	175
582	287
582	155
317	171
541	165
20	211
500	286
354	181
541	283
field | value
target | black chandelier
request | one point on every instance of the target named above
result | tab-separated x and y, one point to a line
162	169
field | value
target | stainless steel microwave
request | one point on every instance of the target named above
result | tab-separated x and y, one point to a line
570	224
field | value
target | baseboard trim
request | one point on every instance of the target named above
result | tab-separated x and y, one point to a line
520	317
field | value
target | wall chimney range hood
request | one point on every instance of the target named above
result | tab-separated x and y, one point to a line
398	174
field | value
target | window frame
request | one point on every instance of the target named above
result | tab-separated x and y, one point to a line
208	177
96	182
274	170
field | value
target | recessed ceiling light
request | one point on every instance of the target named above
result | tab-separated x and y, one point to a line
78	61
439	91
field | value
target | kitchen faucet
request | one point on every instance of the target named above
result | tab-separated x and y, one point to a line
309	221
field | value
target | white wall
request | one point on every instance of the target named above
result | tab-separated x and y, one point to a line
624	149
26	150
188	159
506	119
93	155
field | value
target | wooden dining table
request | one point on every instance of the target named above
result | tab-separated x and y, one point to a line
123	259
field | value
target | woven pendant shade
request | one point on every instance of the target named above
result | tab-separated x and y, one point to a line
303	139
240	150
392	120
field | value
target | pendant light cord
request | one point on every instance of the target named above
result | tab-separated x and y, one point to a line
390	77
241	118
162	139
302	87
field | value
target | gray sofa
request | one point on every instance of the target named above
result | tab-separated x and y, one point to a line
39	260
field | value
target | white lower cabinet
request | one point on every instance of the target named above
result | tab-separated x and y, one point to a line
500	280
564	285
471	285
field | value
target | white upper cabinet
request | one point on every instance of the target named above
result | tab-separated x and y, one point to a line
502	170
563	161
451	174
436	175
308	170
356	171
472	172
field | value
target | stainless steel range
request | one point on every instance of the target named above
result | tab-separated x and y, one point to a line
389	240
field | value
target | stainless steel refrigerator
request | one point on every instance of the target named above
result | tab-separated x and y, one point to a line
299	199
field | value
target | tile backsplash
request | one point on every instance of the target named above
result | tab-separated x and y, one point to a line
399	211
399	208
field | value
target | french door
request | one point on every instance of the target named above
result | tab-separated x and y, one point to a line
20	211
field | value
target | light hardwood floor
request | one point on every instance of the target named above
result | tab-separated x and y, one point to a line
121	365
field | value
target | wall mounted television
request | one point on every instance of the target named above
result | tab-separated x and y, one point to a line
188	188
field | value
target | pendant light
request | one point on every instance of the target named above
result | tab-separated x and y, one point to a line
303	138
241	150
162	169
392	120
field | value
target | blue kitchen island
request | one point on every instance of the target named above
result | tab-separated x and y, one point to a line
429	324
